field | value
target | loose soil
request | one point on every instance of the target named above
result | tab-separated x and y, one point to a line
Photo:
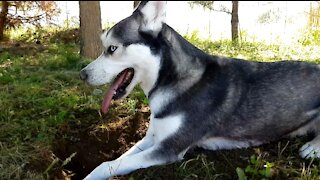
99	141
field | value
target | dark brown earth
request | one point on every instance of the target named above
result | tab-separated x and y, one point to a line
103	140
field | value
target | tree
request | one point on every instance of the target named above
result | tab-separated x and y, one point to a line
204	4
13	14
90	29
314	15
233	13
234	21
3	17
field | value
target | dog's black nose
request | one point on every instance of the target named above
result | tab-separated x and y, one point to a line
83	75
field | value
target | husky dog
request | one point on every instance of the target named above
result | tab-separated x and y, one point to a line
200	100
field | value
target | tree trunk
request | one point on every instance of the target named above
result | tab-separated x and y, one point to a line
90	29
3	18
234	22
135	4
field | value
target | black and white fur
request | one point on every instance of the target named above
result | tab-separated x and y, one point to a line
201	100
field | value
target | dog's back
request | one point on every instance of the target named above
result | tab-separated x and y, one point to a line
275	100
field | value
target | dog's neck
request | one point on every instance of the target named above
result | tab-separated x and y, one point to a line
174	75
181	61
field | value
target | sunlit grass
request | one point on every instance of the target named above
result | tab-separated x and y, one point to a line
257	51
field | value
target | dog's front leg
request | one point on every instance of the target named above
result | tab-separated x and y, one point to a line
140	146
143	144
150	157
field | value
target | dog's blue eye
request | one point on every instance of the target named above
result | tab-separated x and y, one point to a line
112	49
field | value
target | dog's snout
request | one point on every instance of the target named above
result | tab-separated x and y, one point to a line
83	75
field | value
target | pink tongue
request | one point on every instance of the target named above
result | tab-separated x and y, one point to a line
108	97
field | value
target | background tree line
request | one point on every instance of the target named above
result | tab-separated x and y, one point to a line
14	14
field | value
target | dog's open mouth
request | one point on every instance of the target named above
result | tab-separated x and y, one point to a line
118	88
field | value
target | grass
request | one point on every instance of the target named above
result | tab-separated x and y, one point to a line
42	100
257	51
39	92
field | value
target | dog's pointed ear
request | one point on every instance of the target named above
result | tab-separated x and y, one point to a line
153	16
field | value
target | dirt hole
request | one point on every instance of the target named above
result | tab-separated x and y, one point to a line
98	142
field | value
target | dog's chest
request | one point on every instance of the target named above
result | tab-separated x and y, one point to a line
160	99
161	129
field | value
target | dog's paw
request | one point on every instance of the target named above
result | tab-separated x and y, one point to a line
311	149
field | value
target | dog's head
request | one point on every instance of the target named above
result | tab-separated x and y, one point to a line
131	53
